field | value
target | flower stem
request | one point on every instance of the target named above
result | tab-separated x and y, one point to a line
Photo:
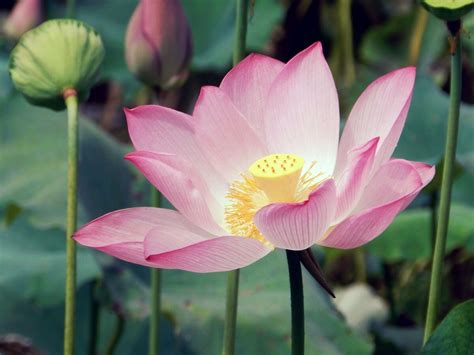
231	312
297	303
240	30
71	8
155	283
118	330
233	276
447	179
417	36
344	26
94	318
70	97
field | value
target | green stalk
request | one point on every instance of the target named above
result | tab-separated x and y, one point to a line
70	98
233	276
94	318
417	35
114	340
447	179
346	56
297	303
155	283
71	8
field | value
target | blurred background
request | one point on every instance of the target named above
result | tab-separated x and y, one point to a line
381	289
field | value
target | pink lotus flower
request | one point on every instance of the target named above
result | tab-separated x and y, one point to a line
25	15
259	165
158	44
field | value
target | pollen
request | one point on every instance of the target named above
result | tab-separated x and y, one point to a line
279	181
282	181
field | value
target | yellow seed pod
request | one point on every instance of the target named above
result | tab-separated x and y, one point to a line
56	56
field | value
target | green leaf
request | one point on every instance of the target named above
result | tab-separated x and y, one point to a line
33	166
425	129
409	236
197	302
32	263
455	334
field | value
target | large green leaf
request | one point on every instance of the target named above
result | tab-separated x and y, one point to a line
409	236
32	263
33	166
197	300
455	334
424	133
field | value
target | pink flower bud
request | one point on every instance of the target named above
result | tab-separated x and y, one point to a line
158	43
25	15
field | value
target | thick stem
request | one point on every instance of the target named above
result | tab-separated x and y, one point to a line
344	24
233	276
117	333
71	8
360	267
297	303
231	312
417	35
155	284
73	142
447	179
240	30
94	318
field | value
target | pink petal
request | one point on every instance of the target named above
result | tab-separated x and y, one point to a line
171	249
380	111
163	130
296	226
352	181
247	85
228	141
183	186
391	190
302	112
121	233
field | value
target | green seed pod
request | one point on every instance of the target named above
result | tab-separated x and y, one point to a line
448	10
58	55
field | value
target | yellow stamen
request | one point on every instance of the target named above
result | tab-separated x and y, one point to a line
280	181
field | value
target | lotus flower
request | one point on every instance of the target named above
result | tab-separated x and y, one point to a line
25	15
259	165
158	44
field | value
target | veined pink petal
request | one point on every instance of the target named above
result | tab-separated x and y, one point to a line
351	182
171	249
390	191
229	142
302	112
163	130
183	186
247	85
380	111
297	226
168	240
121	233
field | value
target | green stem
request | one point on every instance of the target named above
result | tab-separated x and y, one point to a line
113	342
94	318
417	36
240	31
231	312
447	179
297	303
433	207
155	281
344	24
360	267
71	8
73	142
233	276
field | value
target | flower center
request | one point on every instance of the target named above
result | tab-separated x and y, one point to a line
273	178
